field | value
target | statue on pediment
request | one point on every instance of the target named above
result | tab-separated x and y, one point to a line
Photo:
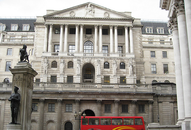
90	10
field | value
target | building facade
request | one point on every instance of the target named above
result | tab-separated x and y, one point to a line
93	60
180	22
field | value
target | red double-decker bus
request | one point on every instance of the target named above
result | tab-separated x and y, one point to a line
112	123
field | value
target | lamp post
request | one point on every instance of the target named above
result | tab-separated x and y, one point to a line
78	116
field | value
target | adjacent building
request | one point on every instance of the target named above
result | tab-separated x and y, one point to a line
93	60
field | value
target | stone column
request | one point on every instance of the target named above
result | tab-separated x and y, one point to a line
50	39
126	40
100	39
187	5
184	52
76	38
150	111
66	39
41	114
116	40
131	40
45	38
23	78
77	109
111	39
116	107
81	38
178	70
133	107
59	114
61	38
99	108
95	40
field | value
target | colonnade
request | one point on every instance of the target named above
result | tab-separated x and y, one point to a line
77	106
79	35
180	24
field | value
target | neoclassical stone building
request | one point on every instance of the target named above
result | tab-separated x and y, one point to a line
180	23
93	60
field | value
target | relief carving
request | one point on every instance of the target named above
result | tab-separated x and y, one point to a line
90	10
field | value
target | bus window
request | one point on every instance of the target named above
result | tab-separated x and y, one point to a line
93	121
105	121
117	121
138	121
84	121
128	121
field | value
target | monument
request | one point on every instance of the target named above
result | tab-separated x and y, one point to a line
22	90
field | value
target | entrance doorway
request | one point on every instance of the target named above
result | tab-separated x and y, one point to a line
88	112
68	126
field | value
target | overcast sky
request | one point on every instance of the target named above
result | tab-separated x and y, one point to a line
144	9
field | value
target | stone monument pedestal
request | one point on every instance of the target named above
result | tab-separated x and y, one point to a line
14	127
23	78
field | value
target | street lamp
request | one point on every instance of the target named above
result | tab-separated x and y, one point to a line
78	117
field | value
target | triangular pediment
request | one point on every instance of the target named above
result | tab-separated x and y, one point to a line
89	10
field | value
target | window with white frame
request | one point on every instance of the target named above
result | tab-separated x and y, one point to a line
51	107
56	48
153	69
105	50
149	29
9	51
2	27
68	107
152	53
71	49
160	30
8	64
26	27
14	27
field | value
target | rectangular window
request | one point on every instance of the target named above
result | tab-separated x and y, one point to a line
161	41
120	50
149	30
71	49
88	31
37	80
72	31
34	107
53	79
160	30
165	68
51	107
125	108
141	108
164	54
14	27
93	121
8	64
138	121
105	121
122	79
105	50
119	31
106	79
116	121
68	107
105	32
128	121
9	51
152	53
153	69
56	48
69	79
2	27
107	108
26	27
57	30
150	41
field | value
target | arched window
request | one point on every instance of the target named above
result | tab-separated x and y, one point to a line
154	81
106	65
54	64
122	65
167	81
70	64
88	48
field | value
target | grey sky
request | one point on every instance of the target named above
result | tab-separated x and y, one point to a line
144	9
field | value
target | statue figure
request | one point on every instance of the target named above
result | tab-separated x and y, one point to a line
90	10
45	66
78	66
15	102
24	55
98	67
114	67
130	68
